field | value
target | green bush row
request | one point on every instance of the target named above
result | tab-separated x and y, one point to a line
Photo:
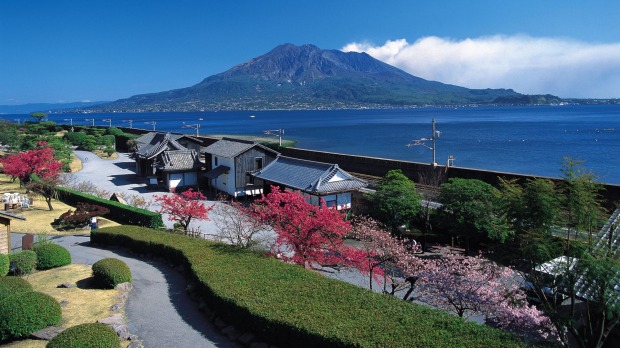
291	306
27	312
91	335
25	262
110	272
51	255
121	213
10	286
4	265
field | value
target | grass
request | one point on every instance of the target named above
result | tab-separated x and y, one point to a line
85	303
38	216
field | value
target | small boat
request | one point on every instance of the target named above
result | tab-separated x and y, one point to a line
252	116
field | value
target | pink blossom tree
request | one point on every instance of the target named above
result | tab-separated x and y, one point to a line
184	207
386	259
474	286
307	235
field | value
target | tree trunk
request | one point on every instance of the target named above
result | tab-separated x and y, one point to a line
49	203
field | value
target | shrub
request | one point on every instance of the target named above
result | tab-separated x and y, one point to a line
4	265
291	306
10	286
80	217
91	335
110	272
24	262
51	255
28	312
122	213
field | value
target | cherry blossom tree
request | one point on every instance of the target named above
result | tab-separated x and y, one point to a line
474	286
39	161
307	235
184	207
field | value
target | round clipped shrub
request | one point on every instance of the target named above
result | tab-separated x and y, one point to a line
24	261
110	272
13	285
51	255
4	265
92	335
28	312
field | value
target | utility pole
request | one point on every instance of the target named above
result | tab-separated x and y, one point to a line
195	126
275	132
420	142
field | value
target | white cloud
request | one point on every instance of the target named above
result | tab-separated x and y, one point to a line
562	67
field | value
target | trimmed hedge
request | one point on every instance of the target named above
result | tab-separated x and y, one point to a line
10	286
110	272
121	213
24	261
4	265
92	335
290	306
28	312
51	255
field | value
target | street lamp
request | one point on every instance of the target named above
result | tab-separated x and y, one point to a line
195	126
152	123
109	121
420	142
70	121
275	132
90	120
18	120
130	123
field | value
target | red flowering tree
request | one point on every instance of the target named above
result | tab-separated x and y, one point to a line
39	161
184	207
307	235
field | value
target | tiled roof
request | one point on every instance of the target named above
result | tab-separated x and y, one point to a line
230	148
309	176
148	137
179	160
158	142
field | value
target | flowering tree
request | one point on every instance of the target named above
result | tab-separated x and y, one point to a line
184	207
379	250
237	225
39	161
312	234
473	286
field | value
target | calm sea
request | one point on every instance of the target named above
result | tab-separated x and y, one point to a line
526	140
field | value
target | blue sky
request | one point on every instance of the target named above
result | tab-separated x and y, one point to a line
64	51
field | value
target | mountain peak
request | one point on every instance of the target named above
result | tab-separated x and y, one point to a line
307	77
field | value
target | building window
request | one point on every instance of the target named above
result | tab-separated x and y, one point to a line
331	204
215	159
258	163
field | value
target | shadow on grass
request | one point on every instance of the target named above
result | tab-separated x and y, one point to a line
87	283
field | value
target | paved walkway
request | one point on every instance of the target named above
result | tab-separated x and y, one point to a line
158	310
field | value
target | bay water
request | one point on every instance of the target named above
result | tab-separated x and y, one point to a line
525	140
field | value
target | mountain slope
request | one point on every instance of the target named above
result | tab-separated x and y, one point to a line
307	77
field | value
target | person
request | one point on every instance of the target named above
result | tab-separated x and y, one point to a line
93	223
